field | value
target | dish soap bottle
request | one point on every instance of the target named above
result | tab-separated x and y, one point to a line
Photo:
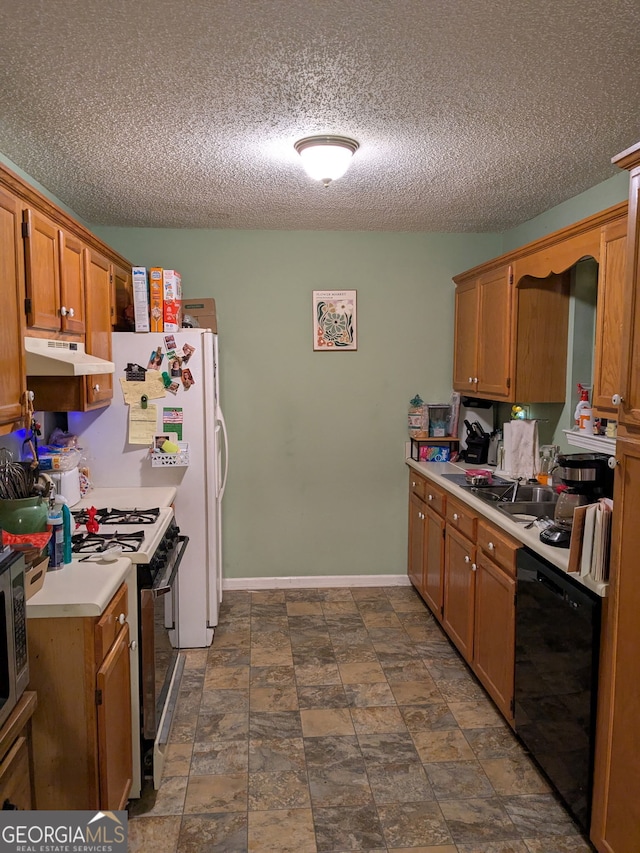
584	414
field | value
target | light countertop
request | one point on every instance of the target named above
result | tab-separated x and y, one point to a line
558	557
79	589
129	498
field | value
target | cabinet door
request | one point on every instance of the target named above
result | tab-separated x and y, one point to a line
12	379
15	779
629	410
122	299
465	367
615	825
114	724
416	541
434	562
42	272
609	317
459	586
99	311
71	284
494	633
494	333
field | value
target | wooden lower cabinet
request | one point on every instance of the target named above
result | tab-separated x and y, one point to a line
464	568
82	728
16	756
426	541
494	633
416	542
459	590
433	573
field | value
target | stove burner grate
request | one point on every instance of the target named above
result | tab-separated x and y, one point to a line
97	543
119	516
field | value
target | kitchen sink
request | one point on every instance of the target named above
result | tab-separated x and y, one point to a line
527	492
527	510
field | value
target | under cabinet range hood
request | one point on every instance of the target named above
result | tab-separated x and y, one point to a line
62	358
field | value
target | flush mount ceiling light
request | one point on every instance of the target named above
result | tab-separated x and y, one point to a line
326	158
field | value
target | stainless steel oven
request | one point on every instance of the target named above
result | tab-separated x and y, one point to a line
14	662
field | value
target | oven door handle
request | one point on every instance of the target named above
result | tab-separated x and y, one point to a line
164	584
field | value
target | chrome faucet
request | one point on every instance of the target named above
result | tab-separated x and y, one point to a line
513	488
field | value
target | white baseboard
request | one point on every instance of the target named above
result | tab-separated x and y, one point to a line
319	582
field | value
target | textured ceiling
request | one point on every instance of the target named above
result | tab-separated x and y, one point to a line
471	115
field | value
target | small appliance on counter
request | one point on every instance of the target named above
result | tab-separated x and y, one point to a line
587	478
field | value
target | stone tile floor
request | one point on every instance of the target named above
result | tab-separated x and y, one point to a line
332	720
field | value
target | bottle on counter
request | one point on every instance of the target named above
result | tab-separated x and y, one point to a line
584	414
55	525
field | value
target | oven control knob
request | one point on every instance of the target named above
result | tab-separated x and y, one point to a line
122	618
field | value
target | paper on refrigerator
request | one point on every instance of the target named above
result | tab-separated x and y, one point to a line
142	424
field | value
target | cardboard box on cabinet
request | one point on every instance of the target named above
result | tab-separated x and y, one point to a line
202	310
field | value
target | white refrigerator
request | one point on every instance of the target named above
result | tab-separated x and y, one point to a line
186	390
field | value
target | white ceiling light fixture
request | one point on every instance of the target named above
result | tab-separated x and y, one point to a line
326	158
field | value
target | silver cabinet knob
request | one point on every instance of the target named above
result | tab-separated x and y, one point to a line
122	618
470	380
133	645
63	311
612	462
491	546
467	558
473	567
96	388
429	497
617	399
455	516
475	380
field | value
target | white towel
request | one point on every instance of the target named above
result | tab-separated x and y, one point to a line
524	448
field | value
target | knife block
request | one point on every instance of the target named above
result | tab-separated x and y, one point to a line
477	450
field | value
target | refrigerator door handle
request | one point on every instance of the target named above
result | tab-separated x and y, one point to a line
226	452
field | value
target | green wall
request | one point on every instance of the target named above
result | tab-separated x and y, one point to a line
317	483
591	201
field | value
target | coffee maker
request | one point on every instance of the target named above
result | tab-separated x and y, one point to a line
586	478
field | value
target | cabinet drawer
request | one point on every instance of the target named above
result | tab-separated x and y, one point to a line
462	518
15	784
499	546
109	624
417	485
435	498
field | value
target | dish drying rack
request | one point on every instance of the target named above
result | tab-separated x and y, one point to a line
160	459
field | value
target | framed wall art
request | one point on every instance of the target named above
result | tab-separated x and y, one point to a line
334	320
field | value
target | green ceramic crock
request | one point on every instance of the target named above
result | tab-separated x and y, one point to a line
24	515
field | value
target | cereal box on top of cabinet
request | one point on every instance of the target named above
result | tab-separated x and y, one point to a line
155	299
172	300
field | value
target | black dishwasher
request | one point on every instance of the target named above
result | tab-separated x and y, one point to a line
557	645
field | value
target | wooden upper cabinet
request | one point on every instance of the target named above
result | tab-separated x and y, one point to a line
71	284
54	277
495	333
12	379
42	271
609	317
99	311
629	386
482	335
465	378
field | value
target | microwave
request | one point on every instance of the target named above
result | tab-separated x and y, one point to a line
14	660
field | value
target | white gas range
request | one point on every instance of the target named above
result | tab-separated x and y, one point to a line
139	524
